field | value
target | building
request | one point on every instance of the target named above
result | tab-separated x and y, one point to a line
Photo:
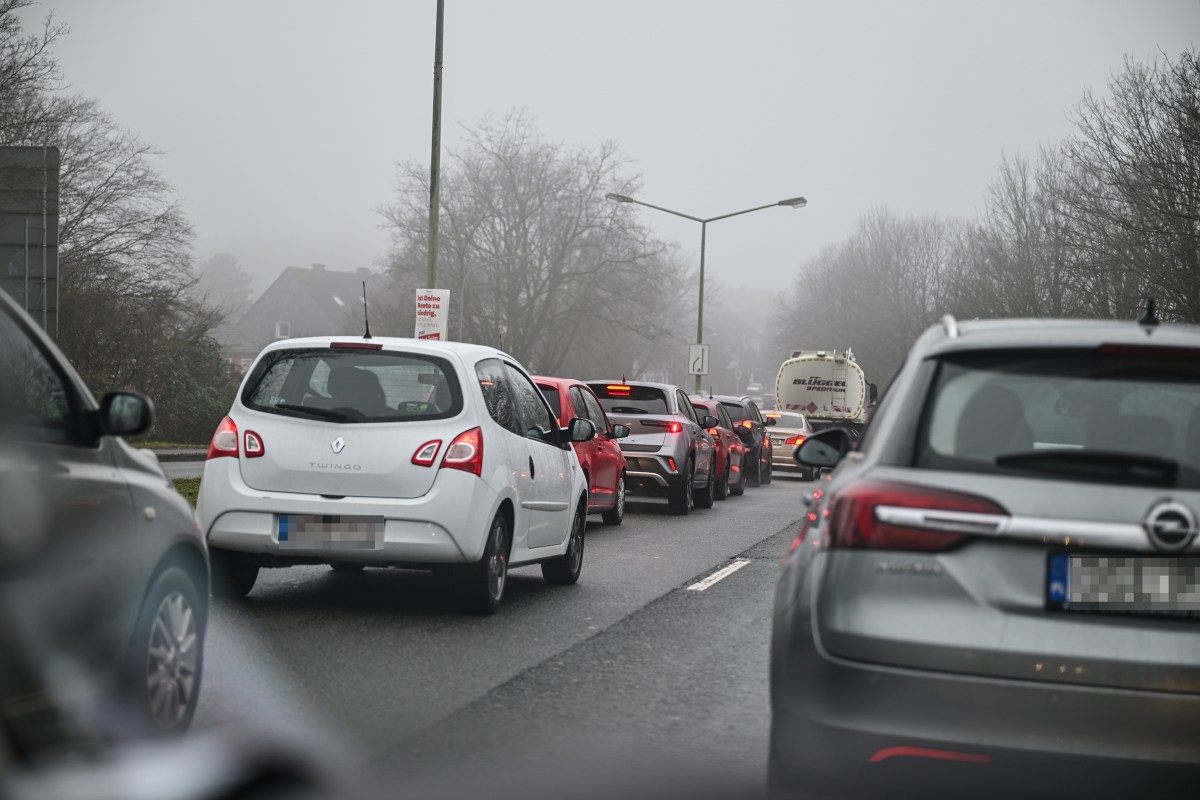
301	302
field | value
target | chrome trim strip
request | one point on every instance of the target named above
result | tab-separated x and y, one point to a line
1127	536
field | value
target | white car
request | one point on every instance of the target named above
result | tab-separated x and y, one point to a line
381	451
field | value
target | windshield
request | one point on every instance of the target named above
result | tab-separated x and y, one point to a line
1065	411
627	399
354	385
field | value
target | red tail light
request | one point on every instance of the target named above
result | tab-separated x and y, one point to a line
713	431
796	440
465	452
224	441
855	524
618	389
427	453
254	447
672	426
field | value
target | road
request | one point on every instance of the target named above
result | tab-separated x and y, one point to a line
182	469
627	673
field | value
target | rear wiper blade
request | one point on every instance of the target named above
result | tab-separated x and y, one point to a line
324	413
1132	467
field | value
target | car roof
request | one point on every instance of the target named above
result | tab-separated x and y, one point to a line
666	387
467	351
1000	334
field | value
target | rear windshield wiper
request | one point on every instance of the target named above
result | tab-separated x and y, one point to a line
323	413
1131	467
628	410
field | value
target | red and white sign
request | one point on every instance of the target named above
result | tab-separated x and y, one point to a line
432	308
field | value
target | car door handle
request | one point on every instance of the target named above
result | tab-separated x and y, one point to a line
531	469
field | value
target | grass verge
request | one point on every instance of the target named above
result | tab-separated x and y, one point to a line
188	487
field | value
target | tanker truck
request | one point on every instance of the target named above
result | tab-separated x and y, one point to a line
826	386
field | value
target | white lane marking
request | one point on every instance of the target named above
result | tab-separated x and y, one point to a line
719	575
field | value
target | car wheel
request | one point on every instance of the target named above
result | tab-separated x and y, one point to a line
616	514
344	567
753	475
681	499
565	569
233	574
722	489
739	488
166	656
485	580
704	498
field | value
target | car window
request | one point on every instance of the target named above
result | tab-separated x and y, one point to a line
498	396
754	412
723	415
594	412
685	406
620	398
551	394
737	412
35	404
1069	413
787	420
359	385
537	421
699	410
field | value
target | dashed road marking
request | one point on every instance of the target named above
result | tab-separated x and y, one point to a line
719	575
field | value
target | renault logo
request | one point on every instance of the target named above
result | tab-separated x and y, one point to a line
1170	525
339	444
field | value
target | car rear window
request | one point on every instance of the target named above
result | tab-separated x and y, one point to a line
354	385
737	412
784	420
625	399
1079	414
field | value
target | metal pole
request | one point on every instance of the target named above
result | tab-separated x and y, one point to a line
46	243
25	299
435	159
700	308
462	301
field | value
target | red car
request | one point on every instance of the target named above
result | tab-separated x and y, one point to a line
601	458
730	450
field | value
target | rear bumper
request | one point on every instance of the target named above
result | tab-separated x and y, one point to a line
650	474
850	725
448	525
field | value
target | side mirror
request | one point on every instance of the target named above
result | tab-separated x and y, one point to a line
769	421
125	414
824	449
620	431
709	421
581	430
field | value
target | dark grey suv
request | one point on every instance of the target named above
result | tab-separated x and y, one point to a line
669	452
103	573
999	591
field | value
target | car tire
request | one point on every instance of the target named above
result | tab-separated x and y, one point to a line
681	498
165	663
483	582
704	498
342	566
616	514
754	476
738	489
233	574
721	490
564	570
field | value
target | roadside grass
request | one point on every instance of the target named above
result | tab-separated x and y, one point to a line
188	487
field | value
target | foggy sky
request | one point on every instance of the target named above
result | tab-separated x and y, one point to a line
281	122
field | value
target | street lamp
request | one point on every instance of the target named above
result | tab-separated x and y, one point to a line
792	202
462	290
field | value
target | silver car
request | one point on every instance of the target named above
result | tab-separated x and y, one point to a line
999	591
669	452
789	432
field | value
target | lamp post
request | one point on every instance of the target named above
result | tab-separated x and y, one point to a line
793	202
462	290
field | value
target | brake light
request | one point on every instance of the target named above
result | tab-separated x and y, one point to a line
426	453
224	441
672	426
855	524
619	389
355	346
254	445
713	431
796	440
671	463
746	423
465	452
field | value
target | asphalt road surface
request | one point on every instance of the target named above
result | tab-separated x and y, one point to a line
629	674
182	469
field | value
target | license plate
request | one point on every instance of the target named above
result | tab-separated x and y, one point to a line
330	532
778	442
1124	584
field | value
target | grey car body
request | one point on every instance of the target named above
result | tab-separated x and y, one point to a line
924	629
667	453
96	549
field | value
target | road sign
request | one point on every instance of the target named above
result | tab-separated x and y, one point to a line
697	359
432	306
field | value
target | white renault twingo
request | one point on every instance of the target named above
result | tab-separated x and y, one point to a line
378	451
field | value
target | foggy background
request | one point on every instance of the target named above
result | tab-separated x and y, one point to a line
281	124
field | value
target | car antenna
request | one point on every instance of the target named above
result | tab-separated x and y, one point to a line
1150	318
366	321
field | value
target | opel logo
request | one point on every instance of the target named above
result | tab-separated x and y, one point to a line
1170	525
339	444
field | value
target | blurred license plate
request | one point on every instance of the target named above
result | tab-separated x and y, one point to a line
1129	584
778	442
330	531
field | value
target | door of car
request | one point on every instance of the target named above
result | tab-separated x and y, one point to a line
605	452
702	441
733	443
549	464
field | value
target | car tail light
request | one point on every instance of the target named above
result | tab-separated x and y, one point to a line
855	524
795	440
713	431
671	426
427	453
253	445
671	463
746	423
224	441
466	452
619	389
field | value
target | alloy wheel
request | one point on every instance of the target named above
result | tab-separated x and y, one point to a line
171	661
